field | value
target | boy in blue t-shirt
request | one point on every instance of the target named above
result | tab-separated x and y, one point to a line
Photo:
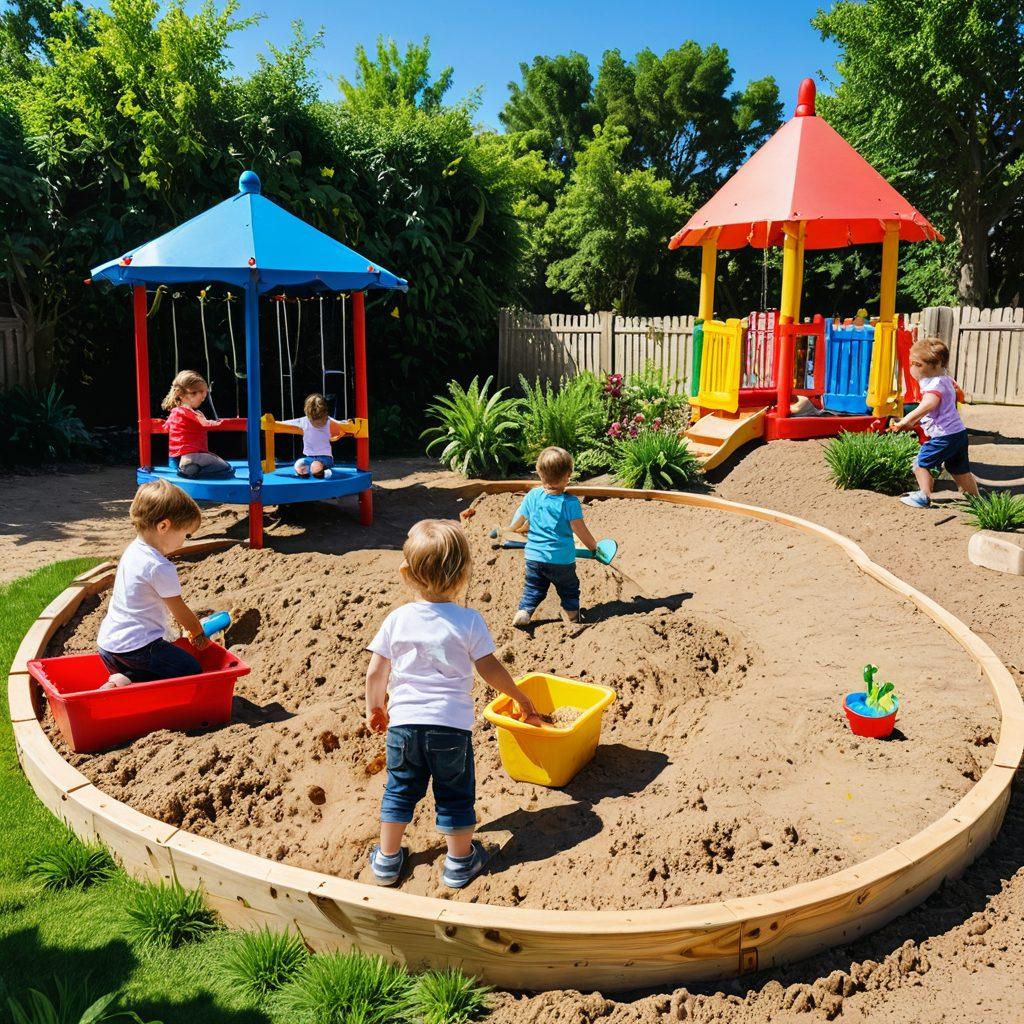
549	517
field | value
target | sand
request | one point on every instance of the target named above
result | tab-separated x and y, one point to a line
726	766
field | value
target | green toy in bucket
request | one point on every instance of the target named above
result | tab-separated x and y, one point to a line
872	712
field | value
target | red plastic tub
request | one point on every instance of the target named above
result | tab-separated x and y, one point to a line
874	726
91	719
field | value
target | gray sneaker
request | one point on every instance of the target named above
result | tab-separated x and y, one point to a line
460	871
387	869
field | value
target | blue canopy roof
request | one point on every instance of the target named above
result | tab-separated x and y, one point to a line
245	233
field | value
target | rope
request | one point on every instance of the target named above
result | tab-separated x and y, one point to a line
280	352
323	357
291	365
174	328
234	357
206	351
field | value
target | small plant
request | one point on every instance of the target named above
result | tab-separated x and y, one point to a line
571	416
446	997
647	393
40	426
873	462
477	433
880	697
169	916
71	1007
263	961
69	864
997	510
347	988
655	459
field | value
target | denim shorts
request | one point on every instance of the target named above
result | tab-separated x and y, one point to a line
158	660
327	461
950	451
541	575
419	754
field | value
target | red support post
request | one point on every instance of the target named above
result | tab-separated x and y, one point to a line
142	375
784	367
362	400
256	524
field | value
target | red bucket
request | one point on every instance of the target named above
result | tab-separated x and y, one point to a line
874	726
92	719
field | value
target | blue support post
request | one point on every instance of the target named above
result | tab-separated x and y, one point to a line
252	412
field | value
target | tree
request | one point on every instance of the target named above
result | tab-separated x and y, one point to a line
612	224
553	109
680	115
397	80
932	95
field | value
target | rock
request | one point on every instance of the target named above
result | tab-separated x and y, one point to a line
1001	552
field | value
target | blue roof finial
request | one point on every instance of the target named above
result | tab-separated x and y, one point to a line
249	181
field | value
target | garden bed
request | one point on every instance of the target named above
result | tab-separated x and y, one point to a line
726	768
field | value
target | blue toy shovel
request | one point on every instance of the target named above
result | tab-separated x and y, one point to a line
606	549
216	623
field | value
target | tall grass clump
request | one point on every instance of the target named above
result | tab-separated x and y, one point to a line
572	416
446	997
997	510
347	988
71	1006
478	433
655	459
169	916
263	961
69	863
872	462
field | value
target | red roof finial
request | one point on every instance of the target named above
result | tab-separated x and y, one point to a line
805	98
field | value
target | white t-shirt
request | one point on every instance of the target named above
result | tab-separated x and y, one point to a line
137	614
432	647
315	440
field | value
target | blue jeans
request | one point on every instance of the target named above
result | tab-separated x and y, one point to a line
327	461
418	754
158	660
540	575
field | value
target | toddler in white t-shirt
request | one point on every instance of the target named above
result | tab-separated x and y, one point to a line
133	635
317	458
423	658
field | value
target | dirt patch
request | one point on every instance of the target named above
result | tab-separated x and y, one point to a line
726	767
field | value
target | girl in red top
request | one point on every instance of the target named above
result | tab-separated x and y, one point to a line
186	426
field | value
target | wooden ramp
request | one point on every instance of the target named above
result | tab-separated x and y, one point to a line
713	438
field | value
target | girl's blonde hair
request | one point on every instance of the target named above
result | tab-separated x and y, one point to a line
931	351
437	556
315	408
183	383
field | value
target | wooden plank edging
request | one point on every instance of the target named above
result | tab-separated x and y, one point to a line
528	948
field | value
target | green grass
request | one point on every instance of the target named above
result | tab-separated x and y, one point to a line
446	997
69	864
169	916
79	934
262	961
655	459
997	510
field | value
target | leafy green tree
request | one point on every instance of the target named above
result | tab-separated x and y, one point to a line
395	79
681	115
611	222
553	109
932	95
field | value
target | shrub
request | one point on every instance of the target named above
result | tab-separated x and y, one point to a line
344	988
998	510
263	961
479	433
571	416
446	997
648	393
39	426
169	916
655	459
71	1007
69	864
874	462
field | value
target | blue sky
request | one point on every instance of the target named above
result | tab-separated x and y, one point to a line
485	42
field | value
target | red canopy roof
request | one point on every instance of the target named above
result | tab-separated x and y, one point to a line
806	171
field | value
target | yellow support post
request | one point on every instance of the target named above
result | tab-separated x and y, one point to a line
792	270
890	258
708	265
267	423
884	390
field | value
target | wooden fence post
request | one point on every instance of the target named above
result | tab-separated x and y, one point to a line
606	353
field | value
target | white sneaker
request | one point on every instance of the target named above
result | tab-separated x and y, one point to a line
522	618
116	680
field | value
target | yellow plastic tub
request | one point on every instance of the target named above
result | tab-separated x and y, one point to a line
548	755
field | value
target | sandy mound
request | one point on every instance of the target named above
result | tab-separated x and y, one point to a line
726	767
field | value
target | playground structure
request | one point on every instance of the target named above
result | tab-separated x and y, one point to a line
805	188
527	948
250	243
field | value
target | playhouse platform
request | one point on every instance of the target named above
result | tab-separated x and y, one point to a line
282	487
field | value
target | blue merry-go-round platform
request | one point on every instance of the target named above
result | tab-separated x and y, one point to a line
282	487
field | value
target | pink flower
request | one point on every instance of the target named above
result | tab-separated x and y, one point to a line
656	423
615	429
638	418
633	431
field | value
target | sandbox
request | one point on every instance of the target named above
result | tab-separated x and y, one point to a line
728	823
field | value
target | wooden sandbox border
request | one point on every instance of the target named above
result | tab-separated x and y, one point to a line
536	949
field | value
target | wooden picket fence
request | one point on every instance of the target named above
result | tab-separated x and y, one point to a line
986	347
17	363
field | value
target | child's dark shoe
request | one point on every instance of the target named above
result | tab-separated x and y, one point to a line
460	871
387	869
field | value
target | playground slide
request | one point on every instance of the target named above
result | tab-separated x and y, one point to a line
714	437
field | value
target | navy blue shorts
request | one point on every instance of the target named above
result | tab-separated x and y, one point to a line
420	754
158	660
950	451
541	575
